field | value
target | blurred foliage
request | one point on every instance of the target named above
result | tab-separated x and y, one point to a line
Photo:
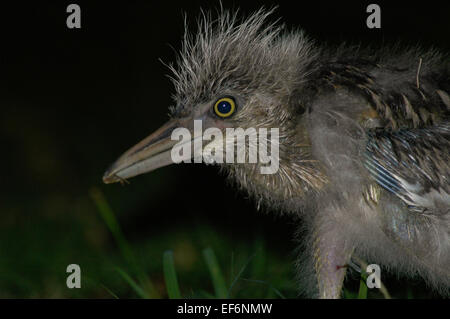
36	262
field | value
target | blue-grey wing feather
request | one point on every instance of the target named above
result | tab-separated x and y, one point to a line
413	164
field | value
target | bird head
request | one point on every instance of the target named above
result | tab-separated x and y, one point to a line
237	73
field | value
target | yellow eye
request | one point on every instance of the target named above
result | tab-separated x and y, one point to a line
224	107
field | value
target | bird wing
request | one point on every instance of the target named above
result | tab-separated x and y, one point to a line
413	164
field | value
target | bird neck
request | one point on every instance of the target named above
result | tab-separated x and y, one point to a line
298	175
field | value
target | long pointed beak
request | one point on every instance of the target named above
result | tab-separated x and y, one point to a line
151	153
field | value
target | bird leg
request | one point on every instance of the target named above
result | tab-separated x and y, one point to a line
331	257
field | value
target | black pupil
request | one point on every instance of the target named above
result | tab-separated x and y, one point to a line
224	107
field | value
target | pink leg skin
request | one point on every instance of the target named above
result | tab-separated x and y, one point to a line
331	255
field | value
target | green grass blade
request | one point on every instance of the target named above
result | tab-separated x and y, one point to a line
205	294
258	266
349	294
110	292
409	293
241	271
218	280
272	288
362	293
139	291
170	276
364	265
111	222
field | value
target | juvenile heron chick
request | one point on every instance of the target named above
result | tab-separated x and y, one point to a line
364	143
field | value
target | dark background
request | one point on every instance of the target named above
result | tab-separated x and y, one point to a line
72	100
